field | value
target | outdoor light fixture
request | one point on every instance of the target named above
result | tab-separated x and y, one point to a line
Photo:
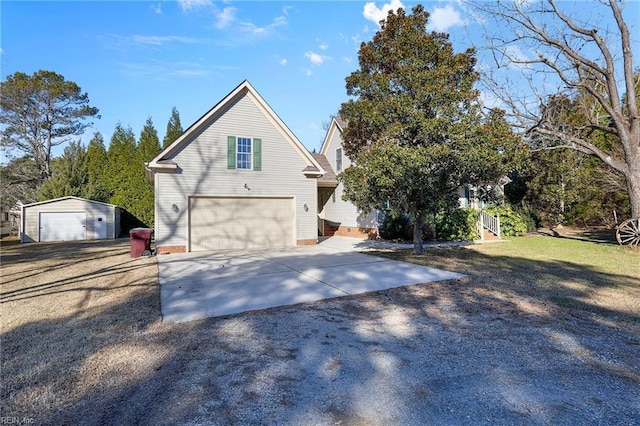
247	187
175	208
306	207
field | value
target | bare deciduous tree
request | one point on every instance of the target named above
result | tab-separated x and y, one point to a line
560	55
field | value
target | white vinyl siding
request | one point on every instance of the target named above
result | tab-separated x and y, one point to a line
338	210
203	170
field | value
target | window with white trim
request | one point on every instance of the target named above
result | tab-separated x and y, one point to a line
339	160
244	154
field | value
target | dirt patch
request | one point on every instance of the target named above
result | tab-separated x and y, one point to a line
82	342
64	306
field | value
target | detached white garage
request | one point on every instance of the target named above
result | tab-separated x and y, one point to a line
69	219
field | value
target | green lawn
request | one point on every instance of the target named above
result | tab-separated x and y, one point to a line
599	278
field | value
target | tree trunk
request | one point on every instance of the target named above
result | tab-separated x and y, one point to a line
418	224
633	186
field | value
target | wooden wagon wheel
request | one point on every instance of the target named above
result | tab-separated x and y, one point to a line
628	233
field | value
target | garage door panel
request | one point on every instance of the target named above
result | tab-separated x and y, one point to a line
240	223
68	226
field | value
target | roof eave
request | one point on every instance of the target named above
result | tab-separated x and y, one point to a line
327	184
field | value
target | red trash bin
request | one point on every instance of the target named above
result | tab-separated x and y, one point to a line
140	241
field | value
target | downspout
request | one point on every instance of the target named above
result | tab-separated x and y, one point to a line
22	223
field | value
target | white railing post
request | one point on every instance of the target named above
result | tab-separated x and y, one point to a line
492	223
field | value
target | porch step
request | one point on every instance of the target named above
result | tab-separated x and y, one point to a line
488	235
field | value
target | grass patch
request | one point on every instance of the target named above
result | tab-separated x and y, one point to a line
564	272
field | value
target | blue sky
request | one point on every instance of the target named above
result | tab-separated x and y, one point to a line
137	59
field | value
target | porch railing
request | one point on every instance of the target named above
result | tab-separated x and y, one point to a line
491	223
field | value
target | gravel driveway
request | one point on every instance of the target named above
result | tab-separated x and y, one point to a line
395	360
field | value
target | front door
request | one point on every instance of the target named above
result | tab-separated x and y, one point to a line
100	227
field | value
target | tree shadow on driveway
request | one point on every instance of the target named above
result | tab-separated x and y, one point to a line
479	350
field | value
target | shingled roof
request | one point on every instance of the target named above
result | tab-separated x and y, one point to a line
329	179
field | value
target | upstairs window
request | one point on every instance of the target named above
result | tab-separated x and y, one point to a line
339	160
244	153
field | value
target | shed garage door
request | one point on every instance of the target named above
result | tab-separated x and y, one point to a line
56	226
223	223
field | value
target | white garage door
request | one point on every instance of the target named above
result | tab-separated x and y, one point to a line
223	223
63	226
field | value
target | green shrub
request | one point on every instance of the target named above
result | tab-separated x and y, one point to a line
396	227
459	224
511	223
529	216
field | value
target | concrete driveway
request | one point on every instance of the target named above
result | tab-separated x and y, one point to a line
209	284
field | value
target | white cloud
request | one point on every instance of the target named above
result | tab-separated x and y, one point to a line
489	100
283	61
225	17
347	59
189	73
157	8
193	4
375	14
162	70
255	30
116	41
315	58
159	40
307	72
323	46
443	18
514	57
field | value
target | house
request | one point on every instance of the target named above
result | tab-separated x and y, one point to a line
8	220
480	196
68	219
340	217
337	216
238	178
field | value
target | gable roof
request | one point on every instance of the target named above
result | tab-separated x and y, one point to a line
337	125
162	162
69	197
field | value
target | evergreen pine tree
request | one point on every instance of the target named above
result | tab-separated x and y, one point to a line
97	170
174	128
148	147
123	175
